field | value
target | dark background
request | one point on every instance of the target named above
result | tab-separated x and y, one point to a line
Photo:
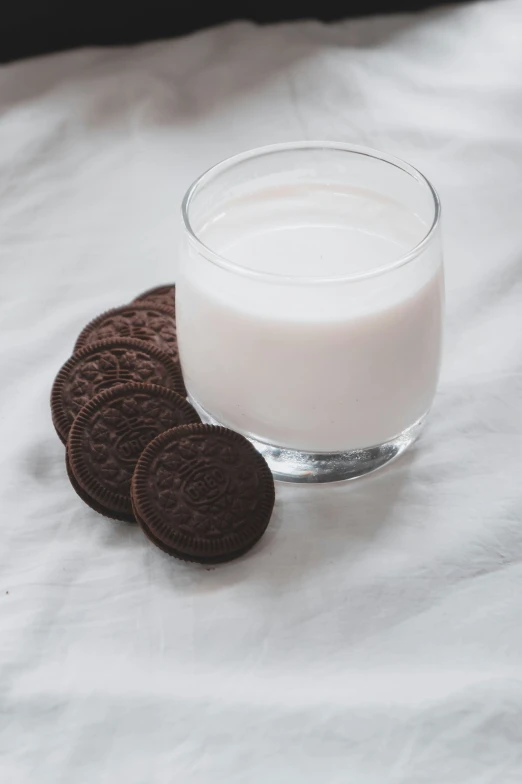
32	27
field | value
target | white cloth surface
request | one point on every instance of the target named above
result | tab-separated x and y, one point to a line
374	636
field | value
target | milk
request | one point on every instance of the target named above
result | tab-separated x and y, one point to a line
297	342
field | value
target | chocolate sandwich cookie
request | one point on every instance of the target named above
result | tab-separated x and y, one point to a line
108	436
160	295
102	365
151	323
202	493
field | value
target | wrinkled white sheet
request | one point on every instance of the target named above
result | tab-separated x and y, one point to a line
375	634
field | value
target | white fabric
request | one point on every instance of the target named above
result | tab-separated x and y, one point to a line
374	636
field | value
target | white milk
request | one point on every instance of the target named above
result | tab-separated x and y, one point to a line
308	365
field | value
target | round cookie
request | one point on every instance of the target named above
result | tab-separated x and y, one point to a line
202	493
108	436
159	295
151	323
102	365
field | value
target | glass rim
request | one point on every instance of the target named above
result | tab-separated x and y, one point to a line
214	171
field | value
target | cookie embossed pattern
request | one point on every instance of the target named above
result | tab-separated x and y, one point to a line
202	493
148	322
100	366
111	431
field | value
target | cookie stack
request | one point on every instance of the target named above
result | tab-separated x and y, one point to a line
136	449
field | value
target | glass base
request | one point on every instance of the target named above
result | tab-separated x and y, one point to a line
290	465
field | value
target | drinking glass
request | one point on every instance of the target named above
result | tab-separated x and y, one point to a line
309	305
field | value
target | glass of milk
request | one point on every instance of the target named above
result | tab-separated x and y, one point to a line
310	304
